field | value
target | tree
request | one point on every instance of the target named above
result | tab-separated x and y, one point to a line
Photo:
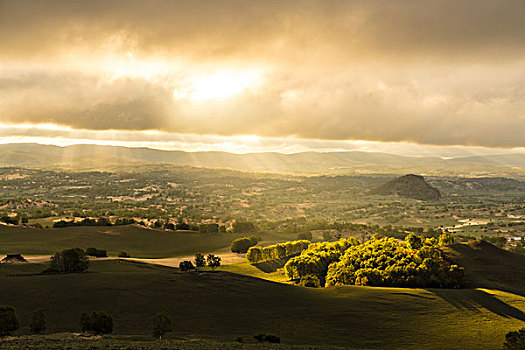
259	337
99	253
69	261
272	339
414	241
186	266
243	226
241	245
515	340
8	320
213	261
310	281
161	324
199	261
38	321
123	255
305	235
209	228
98	322
446	239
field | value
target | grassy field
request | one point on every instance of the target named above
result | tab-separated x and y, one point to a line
134	239
220	306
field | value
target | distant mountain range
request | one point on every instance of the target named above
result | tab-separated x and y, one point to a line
86	157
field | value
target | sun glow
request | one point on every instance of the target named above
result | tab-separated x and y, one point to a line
217	86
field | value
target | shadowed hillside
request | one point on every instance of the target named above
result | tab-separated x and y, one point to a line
410	186
488	266
222	306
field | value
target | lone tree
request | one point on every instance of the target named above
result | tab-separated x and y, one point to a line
98	323
8	320
515	340
161	324
38	321
199	261
69	261
186	266
213	261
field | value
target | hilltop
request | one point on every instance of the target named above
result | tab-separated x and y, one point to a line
410	186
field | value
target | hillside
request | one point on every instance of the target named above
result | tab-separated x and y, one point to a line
138	241
487	266
214	305
88	157
410	186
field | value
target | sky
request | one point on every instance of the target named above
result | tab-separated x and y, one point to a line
415	77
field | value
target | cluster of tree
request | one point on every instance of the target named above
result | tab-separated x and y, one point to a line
314	261
72	260
241	245
415	262
259	254
209	228
97	322
243	226
98	253
211	260
14	220
85	222
10	323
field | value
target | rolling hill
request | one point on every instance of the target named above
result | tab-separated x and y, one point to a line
86	157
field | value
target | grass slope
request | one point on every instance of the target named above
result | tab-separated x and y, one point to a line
134	239
223	305
488	266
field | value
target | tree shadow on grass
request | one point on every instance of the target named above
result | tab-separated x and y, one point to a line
475	300
273	265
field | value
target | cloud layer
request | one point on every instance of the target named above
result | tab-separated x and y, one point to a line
431	72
